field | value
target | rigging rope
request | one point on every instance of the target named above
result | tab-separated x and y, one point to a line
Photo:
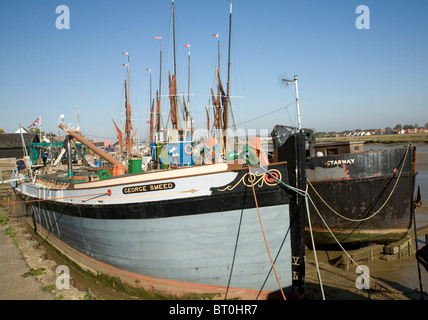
305	194
343	249
264	236
313	245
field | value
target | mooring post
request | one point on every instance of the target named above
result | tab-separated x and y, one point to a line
67	146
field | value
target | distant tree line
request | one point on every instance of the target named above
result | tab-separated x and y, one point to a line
409	126
397	128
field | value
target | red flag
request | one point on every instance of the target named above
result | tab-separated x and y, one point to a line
187	45
157	37
215	35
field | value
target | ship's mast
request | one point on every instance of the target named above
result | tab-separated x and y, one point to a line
173	36
128	125
159	93
173	81
226	107
188	89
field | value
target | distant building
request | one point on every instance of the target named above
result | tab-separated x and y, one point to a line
21	129
11	144
102	144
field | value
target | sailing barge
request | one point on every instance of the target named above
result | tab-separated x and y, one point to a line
223	229
362	196
356	196
192	232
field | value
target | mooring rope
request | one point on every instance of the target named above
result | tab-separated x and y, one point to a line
305	194
264	235
343	249
313	245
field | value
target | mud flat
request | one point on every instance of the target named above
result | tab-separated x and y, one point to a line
42	262
338	277
393	269
35	278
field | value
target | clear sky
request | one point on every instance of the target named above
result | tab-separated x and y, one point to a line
349	78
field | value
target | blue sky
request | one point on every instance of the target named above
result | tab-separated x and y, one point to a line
348	78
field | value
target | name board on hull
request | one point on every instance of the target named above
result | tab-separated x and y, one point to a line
149	187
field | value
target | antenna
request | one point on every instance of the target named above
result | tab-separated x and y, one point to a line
286	82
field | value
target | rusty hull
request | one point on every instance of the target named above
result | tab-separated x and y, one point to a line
362	188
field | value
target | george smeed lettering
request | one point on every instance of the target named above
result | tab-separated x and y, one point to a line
149	187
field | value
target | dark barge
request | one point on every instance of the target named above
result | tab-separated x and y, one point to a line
362	196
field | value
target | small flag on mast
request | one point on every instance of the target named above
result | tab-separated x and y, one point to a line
187	45
157	37
126	53
125	64
215	35
36	123
148	70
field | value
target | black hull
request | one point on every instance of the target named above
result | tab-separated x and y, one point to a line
422	256
363	198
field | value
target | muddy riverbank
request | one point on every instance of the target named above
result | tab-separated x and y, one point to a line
393	276
395	279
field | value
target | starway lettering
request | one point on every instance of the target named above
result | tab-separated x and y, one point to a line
339	162
149	187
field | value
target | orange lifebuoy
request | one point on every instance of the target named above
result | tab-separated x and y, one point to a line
186	149
269	178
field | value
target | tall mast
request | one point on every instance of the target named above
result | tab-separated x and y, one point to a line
173	82
150	92
128	125
159	92
151	108
188	90
151	121
188	81
173	36
218	52
226	107
160	72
